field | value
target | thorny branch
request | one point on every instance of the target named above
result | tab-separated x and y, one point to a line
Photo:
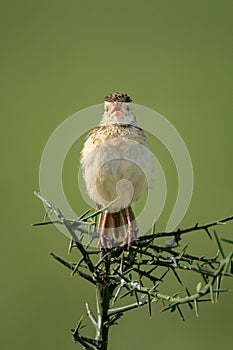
138	273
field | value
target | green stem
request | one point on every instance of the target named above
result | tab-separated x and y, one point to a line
104	292
103	297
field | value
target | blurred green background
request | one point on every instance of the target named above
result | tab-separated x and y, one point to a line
58	57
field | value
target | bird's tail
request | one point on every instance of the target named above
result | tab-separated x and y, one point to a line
114	226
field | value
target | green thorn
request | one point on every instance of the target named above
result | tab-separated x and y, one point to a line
208	233
84	214
212	294
219	244
198	287
78	325
177	276
180	312
149	304
70	246
153	228
227	240
196	307
101	210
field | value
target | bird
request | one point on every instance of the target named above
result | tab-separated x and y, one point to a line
116	167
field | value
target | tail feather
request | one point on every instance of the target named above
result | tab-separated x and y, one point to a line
115	225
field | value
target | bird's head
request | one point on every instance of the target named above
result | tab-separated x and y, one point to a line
118	110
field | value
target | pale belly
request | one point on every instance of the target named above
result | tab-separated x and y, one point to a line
119	168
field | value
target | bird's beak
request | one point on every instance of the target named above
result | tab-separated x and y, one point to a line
117	111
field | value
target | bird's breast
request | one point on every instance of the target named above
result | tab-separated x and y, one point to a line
119	167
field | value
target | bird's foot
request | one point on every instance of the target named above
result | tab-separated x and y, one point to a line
103	242
130	236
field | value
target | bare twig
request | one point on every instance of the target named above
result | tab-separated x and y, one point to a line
71	267
180	232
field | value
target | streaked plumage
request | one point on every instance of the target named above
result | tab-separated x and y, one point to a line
116	162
